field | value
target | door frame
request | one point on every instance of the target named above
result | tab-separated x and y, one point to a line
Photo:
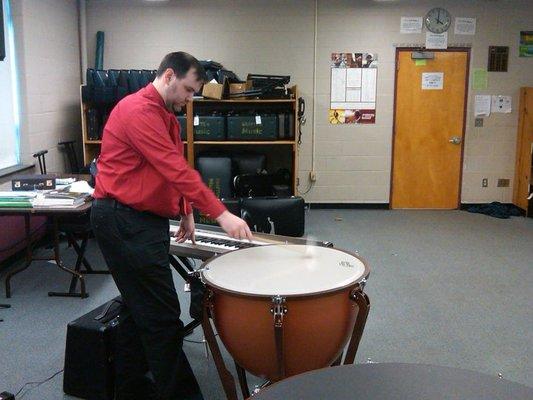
465	108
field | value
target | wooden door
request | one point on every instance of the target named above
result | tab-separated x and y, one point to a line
429	121
524	149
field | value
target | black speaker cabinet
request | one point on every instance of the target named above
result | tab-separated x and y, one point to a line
89	370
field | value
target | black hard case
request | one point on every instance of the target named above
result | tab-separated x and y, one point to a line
89	369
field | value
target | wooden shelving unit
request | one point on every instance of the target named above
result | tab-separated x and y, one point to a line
91	148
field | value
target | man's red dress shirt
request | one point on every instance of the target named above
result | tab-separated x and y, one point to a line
142	165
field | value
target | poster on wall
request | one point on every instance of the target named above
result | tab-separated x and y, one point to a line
353	88
526	44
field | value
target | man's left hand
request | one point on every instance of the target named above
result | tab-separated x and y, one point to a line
186	230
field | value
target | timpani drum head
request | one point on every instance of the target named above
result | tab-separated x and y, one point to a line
286	270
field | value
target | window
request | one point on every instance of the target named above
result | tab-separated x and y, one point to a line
9	99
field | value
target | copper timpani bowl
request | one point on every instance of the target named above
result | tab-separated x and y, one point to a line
313	285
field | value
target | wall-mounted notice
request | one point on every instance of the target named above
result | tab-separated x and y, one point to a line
465	26
479	79
353	88
411	25
432	80
482	106
436	40
501	104
526	44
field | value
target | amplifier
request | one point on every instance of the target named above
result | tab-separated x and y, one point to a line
212	127
33	182
89	369
253	127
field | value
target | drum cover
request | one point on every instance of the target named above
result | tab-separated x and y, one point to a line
287	270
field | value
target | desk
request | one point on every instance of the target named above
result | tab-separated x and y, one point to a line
394	381
55	214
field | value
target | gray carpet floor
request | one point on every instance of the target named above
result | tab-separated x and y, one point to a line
447	288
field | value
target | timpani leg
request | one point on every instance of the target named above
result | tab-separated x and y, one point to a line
363	304
228	383
241	374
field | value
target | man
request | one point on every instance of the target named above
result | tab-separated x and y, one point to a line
143	180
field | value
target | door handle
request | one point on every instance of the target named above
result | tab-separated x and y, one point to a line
455	140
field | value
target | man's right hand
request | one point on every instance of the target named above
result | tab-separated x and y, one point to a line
234	226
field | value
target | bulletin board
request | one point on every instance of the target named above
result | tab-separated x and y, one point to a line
353	88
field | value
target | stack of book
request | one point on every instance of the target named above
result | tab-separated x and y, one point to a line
59	199
20	199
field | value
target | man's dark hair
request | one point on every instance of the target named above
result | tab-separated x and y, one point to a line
181	62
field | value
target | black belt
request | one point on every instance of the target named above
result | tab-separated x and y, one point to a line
117	205
112	203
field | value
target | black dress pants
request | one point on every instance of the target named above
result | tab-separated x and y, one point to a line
135	246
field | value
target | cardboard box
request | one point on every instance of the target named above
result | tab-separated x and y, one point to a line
216	91
237	87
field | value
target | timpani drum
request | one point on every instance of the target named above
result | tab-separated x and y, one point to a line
281	310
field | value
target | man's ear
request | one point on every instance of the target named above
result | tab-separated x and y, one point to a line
168	75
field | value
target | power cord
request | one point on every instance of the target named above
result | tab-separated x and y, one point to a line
37	384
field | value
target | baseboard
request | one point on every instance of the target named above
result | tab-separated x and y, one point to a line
349	206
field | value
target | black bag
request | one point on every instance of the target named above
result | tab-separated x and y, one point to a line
255	185
248	163
216	173
282	216
89	370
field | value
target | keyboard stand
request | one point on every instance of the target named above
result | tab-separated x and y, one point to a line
183	266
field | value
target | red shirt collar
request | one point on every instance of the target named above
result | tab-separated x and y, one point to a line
152	93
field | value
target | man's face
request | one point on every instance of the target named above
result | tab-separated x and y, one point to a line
179	91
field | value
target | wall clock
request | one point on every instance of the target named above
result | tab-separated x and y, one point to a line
438	20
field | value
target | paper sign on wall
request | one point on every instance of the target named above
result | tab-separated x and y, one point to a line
465	26
411	25
501	104
479	79
482	106
432	80
436	40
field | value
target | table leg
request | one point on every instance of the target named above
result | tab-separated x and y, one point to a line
29	256
83	293
80	251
